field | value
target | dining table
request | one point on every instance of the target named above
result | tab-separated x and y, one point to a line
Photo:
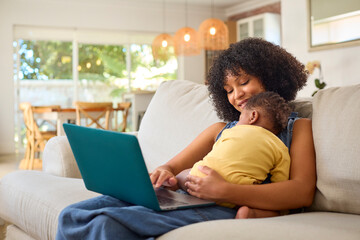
67	115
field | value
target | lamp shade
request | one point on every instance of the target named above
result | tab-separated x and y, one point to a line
214	34
162	47
187	42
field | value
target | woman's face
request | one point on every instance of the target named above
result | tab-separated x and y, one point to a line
240	88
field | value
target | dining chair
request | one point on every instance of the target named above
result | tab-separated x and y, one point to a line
97	113
44	109
36	139
124	108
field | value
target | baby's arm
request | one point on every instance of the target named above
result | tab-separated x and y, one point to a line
181	178
281	170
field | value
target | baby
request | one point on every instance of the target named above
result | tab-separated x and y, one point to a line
248	152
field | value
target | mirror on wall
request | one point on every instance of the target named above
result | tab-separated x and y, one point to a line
333	23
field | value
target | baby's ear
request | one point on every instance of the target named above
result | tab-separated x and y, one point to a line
254	116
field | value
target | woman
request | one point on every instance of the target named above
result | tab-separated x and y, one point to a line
245	69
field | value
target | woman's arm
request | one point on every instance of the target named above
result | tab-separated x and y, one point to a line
296	192
194	152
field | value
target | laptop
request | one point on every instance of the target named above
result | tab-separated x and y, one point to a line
111	163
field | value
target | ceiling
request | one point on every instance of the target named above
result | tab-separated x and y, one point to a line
217	3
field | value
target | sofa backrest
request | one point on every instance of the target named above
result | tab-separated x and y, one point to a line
336	131
303	106
179	111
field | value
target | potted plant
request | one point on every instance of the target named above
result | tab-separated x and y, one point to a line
319	83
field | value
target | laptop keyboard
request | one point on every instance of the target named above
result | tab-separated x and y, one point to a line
172	200
164	201
167	198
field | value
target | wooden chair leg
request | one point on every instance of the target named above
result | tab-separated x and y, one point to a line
32	157
24	164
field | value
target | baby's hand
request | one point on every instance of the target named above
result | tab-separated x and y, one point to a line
163	176
181	178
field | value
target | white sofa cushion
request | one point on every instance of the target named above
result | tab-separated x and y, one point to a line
309	226
177	113
336	132
32	200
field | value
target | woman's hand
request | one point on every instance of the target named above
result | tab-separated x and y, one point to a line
210	187
164	176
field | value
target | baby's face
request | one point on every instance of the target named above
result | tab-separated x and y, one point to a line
245	117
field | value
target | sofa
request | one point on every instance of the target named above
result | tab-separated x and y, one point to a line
30	201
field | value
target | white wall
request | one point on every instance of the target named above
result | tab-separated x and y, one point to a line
340	66
88	14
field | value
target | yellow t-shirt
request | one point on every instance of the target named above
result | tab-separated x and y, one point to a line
245	154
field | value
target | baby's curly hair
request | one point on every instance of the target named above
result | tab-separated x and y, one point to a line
277	69
273	107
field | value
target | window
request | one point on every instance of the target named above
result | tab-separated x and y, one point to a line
147	74
102	72
45	71
60	66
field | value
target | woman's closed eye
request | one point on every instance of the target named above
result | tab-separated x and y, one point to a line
245	82
229	91
238	83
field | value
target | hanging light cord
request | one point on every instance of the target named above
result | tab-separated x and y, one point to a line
186	13
164	16
212	9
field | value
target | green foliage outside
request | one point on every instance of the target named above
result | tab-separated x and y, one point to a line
47	60
44	60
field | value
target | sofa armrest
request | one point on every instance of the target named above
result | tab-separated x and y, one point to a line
58	158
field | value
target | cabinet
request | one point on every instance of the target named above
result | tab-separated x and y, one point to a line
266	26
139	103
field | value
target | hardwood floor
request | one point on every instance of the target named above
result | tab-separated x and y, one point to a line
3	226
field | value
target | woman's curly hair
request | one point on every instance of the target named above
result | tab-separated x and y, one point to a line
278	70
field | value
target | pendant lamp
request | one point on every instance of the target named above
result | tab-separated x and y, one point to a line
186	40
214	34
161	47
163	44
